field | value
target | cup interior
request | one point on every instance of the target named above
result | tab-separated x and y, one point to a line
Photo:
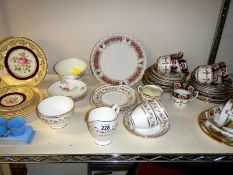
182	92
69	66
56	105
102	114
152	91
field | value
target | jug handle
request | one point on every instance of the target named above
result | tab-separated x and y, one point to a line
139	89
116	108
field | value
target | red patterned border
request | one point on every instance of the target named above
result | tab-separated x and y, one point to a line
107	42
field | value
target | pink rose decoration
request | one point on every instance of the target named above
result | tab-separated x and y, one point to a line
22	60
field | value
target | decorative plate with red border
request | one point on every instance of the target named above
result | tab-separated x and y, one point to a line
118	60
23	60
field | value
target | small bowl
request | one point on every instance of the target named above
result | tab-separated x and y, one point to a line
74	89
71	68
56	110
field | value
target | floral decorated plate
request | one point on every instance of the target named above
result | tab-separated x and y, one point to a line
122	95
17	100
74	89
118	60
14	97
23	60
207	122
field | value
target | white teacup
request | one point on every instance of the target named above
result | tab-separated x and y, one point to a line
104	113
208	74
146	115
182	93
226	113
150	92
102	123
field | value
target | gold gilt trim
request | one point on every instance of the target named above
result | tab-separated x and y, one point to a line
10	43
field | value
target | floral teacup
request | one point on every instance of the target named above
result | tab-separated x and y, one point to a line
173	63
182	93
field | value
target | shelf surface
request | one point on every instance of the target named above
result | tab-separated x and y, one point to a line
185	137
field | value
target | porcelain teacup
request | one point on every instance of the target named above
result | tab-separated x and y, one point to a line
102	123
182	93
150	92
146	115
208	74
173	63
226	113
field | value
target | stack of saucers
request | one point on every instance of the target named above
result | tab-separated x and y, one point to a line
164	80
212	93
17	100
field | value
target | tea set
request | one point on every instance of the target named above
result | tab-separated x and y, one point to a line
146	116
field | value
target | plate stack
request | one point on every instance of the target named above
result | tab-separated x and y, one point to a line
164	80
17	100
212	93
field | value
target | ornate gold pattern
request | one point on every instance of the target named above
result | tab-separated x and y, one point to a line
13	42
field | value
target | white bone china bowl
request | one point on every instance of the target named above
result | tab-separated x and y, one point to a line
56	110
70	68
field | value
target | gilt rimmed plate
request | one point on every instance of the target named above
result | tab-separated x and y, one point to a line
122	95
19	101
207	122
15	97
23	60
118	60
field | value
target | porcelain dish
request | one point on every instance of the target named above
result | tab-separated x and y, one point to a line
17	100
74	89
152	76
151	132
208	123
58	113
70	68
24	62
118	60
121	95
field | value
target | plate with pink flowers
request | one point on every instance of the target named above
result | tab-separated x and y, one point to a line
23	60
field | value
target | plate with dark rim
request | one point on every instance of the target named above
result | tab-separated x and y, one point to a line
23	60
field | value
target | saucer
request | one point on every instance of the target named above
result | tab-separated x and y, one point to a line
208	123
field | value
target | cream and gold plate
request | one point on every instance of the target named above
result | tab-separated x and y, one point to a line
17	100
122	95
23	60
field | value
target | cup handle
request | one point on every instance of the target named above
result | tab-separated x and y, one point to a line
116	108
195	96
229	112
139	89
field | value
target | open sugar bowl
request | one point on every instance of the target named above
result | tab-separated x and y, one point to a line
70	68
74	89
182	93
56	111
